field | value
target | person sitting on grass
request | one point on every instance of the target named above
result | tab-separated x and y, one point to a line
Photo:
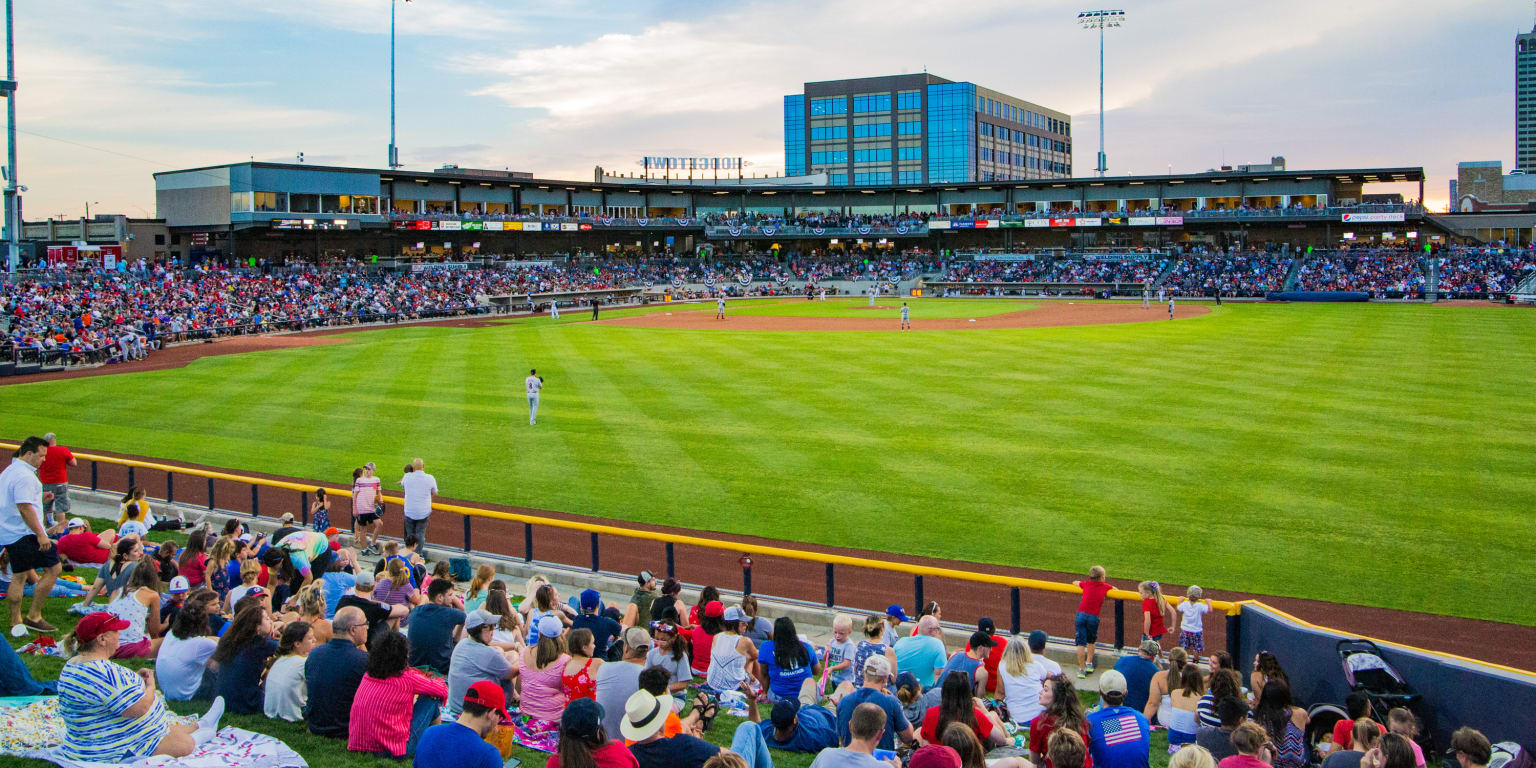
380	616
139	605
1364	737
786	662
867	726
476	660
309	607
332	673
1021	676
250	570
1061	709
1191	756
479	586
994	655
645	714
585	743
1223	683
957	704
241	658
922	654
540	667
1108	725
436	627
83	547
462	743
603	628
1285	724
508	634
656	680
286	692
1068	749
876	671
1253	748
396	587
800	725
1400	720
1471	747
113	575
1218	741
194	559
112	715
183	657
395	703
1138	670
579	678
959	737
671	653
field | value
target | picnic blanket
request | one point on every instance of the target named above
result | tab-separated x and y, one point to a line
32	727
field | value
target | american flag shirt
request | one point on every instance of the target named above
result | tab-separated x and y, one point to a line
1120	737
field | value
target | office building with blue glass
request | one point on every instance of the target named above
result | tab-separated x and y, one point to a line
921	129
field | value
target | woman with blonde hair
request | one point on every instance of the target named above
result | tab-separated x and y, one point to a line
311	604
1019	679
396	588
1192	756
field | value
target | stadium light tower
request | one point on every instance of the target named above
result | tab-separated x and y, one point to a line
1099	20
394	151
12	187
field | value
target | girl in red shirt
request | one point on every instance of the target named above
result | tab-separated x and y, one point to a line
1155	609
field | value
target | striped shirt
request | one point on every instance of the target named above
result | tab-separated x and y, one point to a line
93	695
365	493
381	711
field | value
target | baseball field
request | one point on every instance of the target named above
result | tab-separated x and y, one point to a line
1365	454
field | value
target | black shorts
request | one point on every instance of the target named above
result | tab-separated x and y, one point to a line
25	556
322	563
368	519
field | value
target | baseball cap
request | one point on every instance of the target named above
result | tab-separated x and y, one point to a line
94	624
1037	640
935	756
637	637
714	609
332	531
488	694
76	522
981	639
735	613
896	612
644	576
1112	682
179	585
877	666
590	599
480	618
1150	647
549	626
246	537
907	680
371	465
783	716
644	715
286	518
986	625
581	718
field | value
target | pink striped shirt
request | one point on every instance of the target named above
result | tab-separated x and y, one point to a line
381	711
365	492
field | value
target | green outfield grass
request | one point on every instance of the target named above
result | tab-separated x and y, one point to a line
1370	454
885	306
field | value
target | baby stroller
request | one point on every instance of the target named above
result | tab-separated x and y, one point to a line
1367	672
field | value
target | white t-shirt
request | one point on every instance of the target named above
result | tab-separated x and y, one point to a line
419	487
534	384
18	485
286	690
180	663
1194	615
1023	692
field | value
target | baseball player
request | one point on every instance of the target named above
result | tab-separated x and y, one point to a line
720	307
1162	295
533	383
872	294
554	310
594	309
1146	297
823	295
906	319
1170	307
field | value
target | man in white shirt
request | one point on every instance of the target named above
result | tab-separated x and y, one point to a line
24	538
533	384
419	487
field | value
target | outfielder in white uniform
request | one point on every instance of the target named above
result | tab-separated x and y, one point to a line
872	294
1146	298
720	307
533	384
554	310
1162	295
906	320
1170	307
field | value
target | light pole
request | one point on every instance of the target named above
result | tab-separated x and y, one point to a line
394	151
88	205
1099	20
12	215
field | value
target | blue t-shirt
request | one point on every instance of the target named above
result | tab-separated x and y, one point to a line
960	662
1138	679
680	751
451	745
239	680
336	584
815	730
895	721
785	682
1119	737
603	630
431	635
921	655
332	673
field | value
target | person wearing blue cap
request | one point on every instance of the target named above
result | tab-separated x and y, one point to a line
894	616
584	740
800	725
603	628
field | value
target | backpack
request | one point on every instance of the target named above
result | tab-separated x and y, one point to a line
1508	754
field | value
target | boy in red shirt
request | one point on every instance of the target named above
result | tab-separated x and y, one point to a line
1087	622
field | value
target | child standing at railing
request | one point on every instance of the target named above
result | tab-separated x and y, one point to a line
1192	625
1156	611
1087	622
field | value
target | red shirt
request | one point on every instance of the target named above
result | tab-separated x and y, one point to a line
81	547
381	712
1093	596
701	643
55	468
1150	605
610	755
1343	730
1040	736
1242	761
194	569
931	725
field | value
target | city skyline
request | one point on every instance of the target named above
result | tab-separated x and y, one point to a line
569	86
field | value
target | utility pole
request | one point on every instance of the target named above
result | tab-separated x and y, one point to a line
12	214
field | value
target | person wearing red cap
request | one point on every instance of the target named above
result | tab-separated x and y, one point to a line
461	743
112	715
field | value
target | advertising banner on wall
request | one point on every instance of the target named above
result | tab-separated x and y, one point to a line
449	226
1036	223
568	226
1170	221
1062	222
533	226
1094	222
938	224
1370	218
1143	221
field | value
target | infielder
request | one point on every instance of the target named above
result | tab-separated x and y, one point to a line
533	383
872	294
1170	307
1146	298
823	295
906	320
720	307
554	310
1162	295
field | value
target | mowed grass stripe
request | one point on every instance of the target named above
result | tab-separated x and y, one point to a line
1304	450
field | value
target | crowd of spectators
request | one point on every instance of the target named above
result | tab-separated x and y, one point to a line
1471	274
1383	276
398	658
1245	273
